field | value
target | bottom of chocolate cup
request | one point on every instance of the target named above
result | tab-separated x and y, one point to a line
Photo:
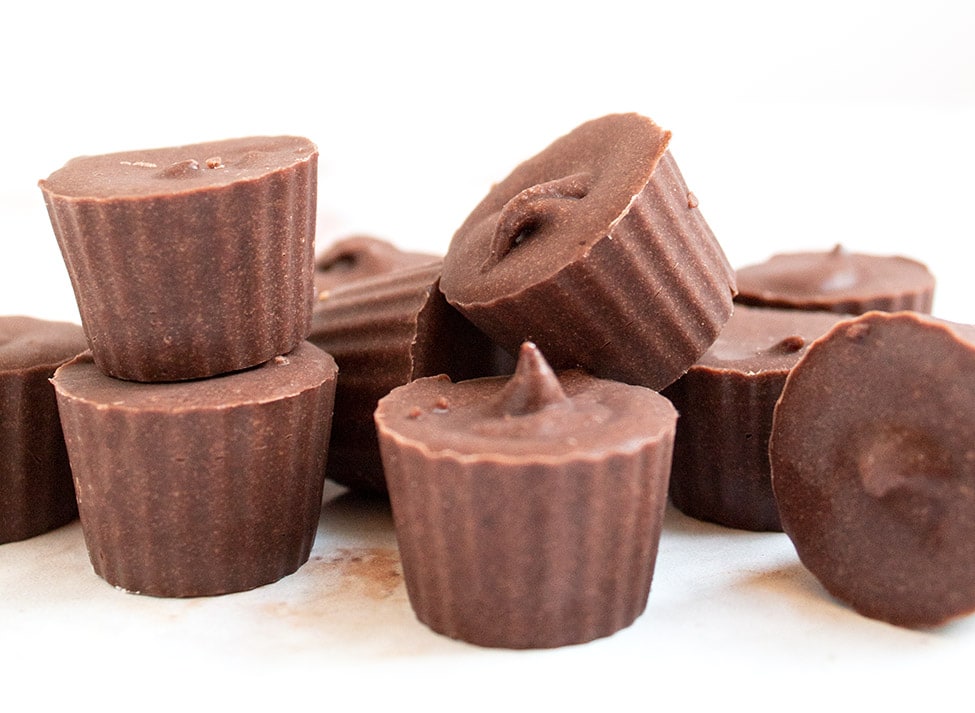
526	558
201	488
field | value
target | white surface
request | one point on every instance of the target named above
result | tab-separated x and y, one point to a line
796	129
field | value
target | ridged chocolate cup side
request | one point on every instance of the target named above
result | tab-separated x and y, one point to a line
528	510
36	492
384	331
641	306
195	283
721	470
201	499
515	556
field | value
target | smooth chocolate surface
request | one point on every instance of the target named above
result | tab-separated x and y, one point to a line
200	487
837	281
36	492
873	465
385	331
359	256
721	467
190	261
528	510
595	250
164	172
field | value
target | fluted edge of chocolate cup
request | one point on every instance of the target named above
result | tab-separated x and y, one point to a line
384	331
192	285
36	490
169	513
641	307
721	471
527	555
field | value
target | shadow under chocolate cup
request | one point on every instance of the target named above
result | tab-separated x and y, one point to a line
528	510
201	487
596	251
190	261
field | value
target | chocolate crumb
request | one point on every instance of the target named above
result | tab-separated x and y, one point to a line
214	162
692	201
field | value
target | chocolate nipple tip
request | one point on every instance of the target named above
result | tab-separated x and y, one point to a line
533	386
838	250
788	345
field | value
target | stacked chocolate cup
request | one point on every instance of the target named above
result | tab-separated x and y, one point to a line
197	425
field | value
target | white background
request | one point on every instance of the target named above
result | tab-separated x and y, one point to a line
798	126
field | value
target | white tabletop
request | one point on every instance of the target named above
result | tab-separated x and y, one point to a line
845	123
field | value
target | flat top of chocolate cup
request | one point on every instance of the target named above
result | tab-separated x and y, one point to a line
535	415
873	465
765	339
306	367
178	169
27	342
359	256
552	209
831	276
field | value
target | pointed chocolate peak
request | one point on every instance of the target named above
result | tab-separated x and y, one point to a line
533	386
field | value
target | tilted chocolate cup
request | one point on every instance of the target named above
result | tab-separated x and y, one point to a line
596	251
873	465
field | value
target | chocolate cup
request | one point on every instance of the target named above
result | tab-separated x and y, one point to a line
837	281
595	250
36	491
360	256
199	488
873	465
721	469
385	331
182	270
504	545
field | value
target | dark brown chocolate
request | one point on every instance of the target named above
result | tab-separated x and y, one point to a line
873	465
385	331
199	487
721	468
593	250
189	261
36	492
837	281
359	256
528	511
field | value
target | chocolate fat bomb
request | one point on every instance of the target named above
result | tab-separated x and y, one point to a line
873	465
721	467
36	492
358	256
596	251
190	261
199	487
837	281
385	331
528	510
